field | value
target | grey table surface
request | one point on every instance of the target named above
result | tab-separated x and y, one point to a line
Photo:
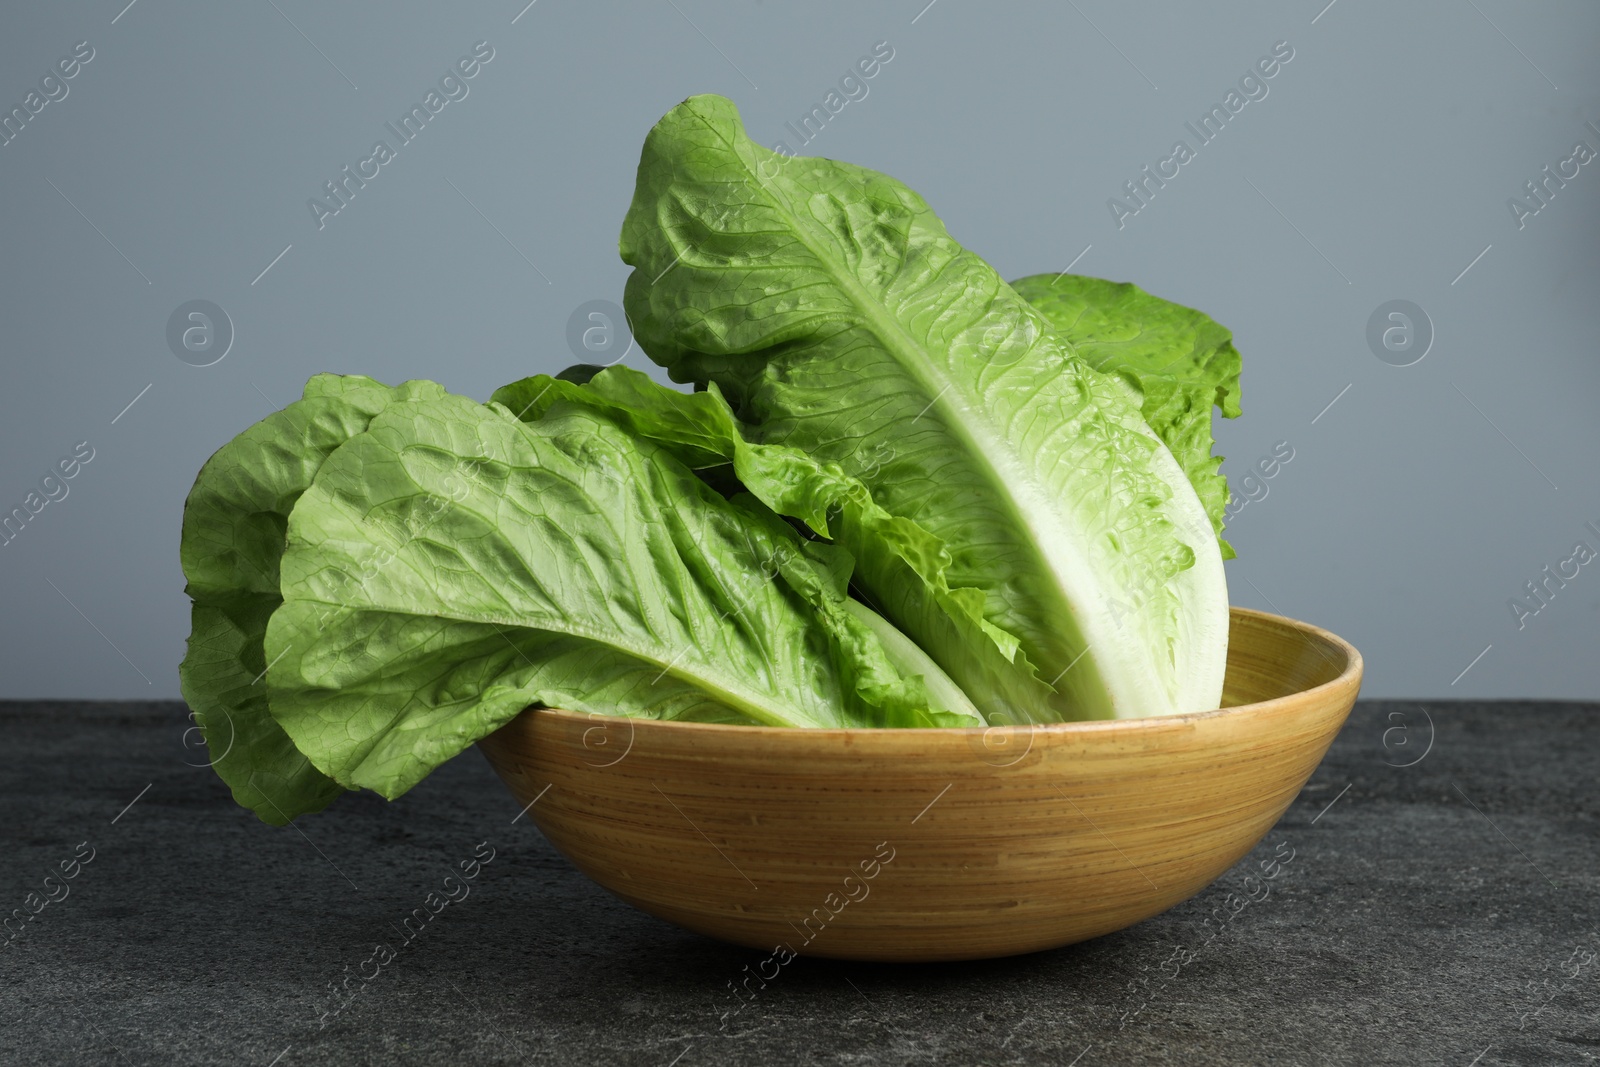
1442	907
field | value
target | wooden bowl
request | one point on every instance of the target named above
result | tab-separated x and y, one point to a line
934	844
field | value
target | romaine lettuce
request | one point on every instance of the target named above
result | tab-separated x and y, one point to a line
445	566
838	317
889	551
1182	362
904	494
233	540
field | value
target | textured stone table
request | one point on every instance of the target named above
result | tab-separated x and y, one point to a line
1445	912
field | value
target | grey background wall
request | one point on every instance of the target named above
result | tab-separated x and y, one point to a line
1378	167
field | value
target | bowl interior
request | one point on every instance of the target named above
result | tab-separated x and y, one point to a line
1268	660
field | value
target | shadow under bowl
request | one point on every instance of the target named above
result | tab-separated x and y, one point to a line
934	844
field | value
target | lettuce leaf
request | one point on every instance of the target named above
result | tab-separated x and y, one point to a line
232	542
1181	360
451	566
891	551
839	318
